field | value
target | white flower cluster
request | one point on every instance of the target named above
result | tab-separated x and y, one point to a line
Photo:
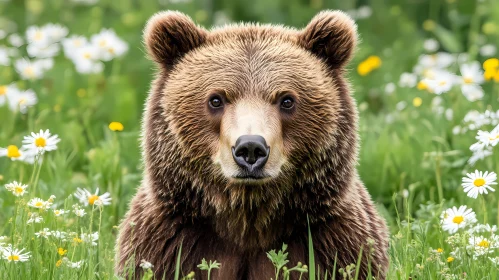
432	72
43	43
88	55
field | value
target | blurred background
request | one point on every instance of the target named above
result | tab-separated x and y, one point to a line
409	149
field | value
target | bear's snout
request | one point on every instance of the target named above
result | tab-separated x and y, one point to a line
251	153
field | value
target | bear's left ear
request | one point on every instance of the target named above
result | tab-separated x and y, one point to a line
332	36
169	35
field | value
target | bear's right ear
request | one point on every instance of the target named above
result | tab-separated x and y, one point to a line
169	35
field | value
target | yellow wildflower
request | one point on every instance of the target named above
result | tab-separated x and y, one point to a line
417	101
116	126
61	251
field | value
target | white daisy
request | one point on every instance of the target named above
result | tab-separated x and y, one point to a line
73	43
454	218
41	142
481	245
482	228
59	212
16	188
58	234
7	92
488	50
409	80
90	238
88	198
22	101
86	60
108	44
40	51
45	233
15	40
145	264
480	155
471	73
472	92
431	45
439	81
77	264
479	183
14	255
34	218
439	60
486	139
56	32
37	36
28	70
4	56
38	203
78	211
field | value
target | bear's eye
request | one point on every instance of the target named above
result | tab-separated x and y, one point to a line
287	103
216	102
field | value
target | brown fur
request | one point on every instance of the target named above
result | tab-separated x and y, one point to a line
184	197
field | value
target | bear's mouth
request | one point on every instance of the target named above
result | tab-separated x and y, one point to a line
254	175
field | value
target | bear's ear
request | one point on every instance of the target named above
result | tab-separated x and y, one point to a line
170	35
332	36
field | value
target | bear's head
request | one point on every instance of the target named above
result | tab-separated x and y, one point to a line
244	114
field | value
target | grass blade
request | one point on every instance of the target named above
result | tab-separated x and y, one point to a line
177	265
311	257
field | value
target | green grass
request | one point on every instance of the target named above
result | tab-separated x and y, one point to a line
410	160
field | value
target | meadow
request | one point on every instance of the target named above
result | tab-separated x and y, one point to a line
74	77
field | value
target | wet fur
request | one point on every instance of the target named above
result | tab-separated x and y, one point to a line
185	200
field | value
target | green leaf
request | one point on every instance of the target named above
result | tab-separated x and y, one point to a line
447	39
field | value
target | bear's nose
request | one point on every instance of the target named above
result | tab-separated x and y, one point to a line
250	151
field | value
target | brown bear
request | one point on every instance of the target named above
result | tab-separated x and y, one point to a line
248	130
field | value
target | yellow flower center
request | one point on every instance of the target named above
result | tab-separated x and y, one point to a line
468	80
443	83
38	36
29	71
450	259
39	204
92	199
58	263
111	50
479	182
3	90
484	244
40	142
102	43
57	212
422	85
458	219
87	55
77	43
440	250
13	258
13	152
18	189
